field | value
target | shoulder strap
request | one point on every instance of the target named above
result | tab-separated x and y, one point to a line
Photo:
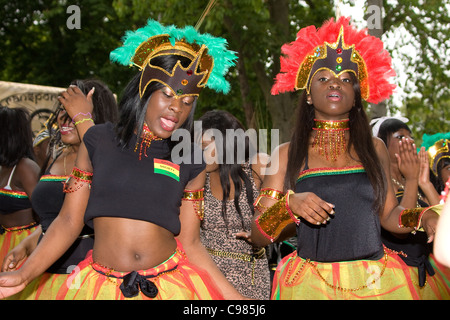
8	185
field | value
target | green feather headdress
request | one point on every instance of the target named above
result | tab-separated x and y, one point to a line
437	146
209	55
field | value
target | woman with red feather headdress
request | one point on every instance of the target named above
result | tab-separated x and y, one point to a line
332	188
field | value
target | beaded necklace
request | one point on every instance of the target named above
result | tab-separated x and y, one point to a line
146	141
330	137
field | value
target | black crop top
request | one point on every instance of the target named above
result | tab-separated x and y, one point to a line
48	198
354	230
149	189
13	200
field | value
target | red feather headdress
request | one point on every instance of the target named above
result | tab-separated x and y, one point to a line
338	47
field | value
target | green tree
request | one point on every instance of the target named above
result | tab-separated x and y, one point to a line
256	30
37	46
427	25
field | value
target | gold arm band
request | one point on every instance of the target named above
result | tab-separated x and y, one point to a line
276	218
196	196
81	175
267	193
411	218
80	178
193	195
271	193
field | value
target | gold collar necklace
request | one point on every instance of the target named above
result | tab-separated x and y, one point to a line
330	141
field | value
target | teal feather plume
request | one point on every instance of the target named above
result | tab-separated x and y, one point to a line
223	58
429	140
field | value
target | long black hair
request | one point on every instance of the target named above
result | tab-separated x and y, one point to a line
223	121
16	137
133	108
360	139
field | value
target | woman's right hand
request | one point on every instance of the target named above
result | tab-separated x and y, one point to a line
310	207
14	258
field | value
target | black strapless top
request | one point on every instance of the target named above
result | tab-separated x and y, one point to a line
353	233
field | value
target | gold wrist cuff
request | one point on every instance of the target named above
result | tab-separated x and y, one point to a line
272	222
411	218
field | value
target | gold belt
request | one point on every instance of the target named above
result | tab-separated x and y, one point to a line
241	256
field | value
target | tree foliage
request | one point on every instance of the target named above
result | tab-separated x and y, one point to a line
38	47
427	24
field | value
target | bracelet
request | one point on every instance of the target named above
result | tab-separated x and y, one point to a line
272	222
89	115
292	214
83	120
411	218
198	201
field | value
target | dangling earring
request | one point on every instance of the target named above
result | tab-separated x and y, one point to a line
146	141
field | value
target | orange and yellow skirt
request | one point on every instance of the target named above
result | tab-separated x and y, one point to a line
48	286
11	237
386	279
174	279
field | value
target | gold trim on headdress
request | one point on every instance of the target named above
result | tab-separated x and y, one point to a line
154	39
338	47
437	152
306	73
181	81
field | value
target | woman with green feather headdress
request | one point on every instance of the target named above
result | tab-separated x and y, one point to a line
126	185
437	146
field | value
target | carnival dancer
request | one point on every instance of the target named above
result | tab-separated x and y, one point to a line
127	185
48	196
19	174
234	173
331	187
410	175
438	154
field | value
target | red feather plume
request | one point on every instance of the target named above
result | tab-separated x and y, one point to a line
376	59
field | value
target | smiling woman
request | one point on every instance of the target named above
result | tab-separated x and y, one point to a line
48	196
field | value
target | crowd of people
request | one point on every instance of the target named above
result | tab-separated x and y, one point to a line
109	213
